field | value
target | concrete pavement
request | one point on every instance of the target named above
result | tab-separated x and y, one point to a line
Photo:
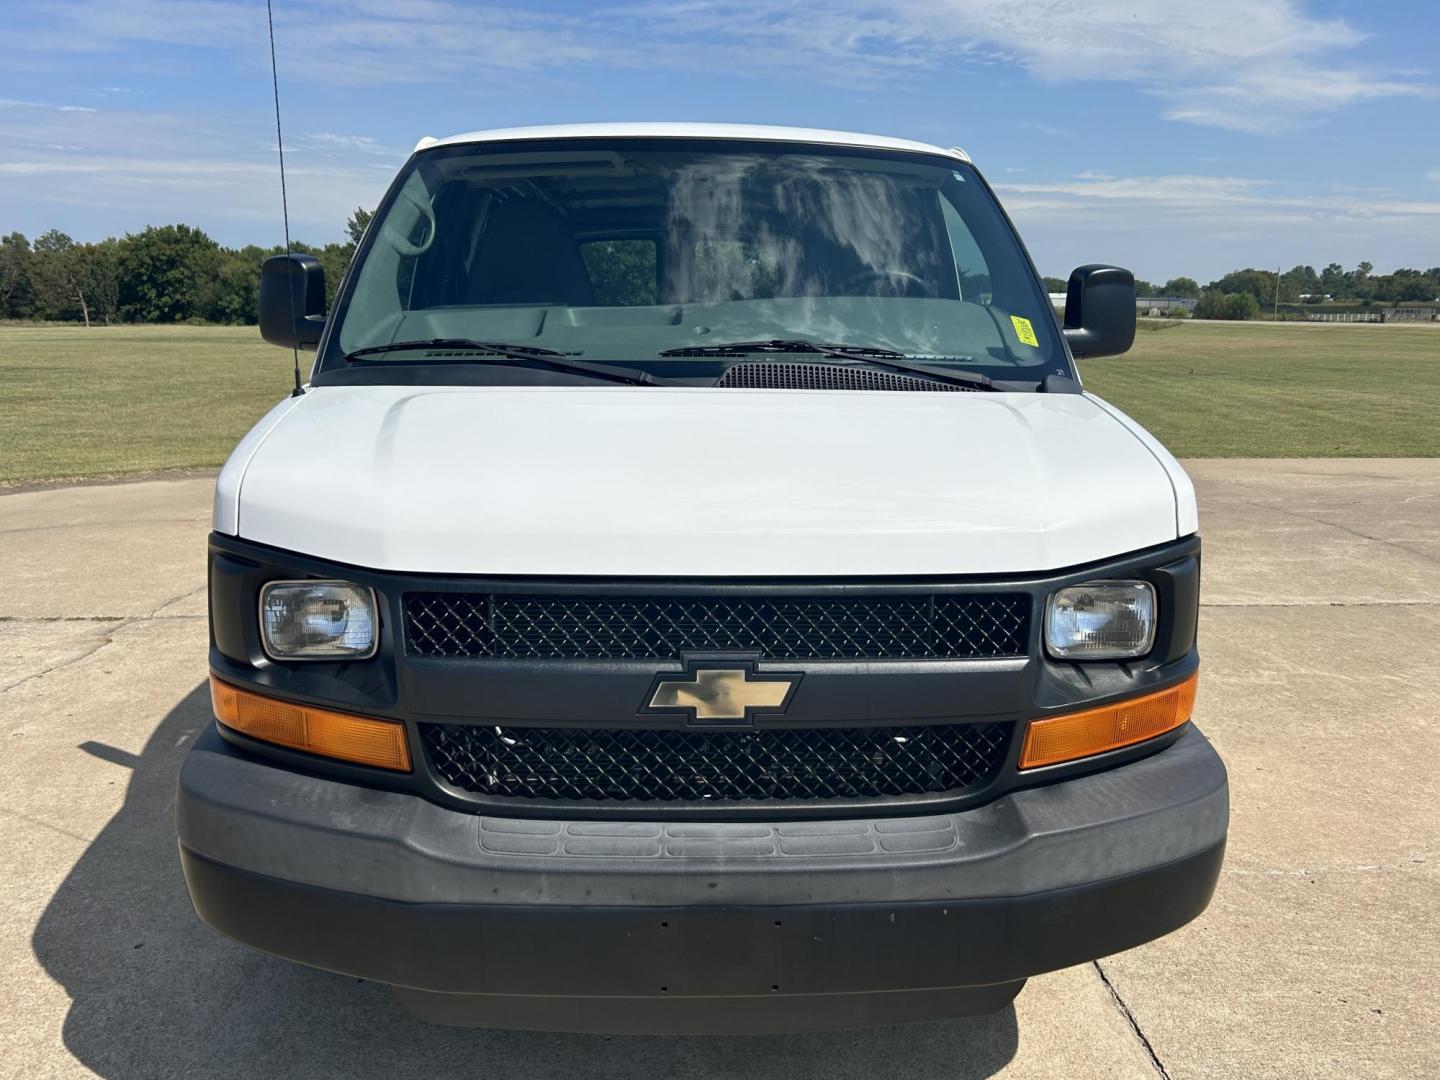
1320	634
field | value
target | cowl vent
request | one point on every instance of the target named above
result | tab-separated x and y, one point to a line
793	376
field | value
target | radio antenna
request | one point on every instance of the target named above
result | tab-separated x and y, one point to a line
284	201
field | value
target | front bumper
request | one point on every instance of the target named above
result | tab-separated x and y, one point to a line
698	926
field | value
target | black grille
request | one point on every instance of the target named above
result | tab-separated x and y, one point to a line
799	376
687	765
922	627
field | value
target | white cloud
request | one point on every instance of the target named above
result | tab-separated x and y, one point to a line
1223	63
1221	198
12	103
1236	64
365	144
1050	131
1182	190
162	190
139	168
1220	222
1232	64
364	41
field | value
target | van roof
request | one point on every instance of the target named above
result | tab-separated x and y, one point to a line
756	132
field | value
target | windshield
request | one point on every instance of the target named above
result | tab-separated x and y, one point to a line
625	251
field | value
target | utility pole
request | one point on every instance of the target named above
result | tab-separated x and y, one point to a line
1275	315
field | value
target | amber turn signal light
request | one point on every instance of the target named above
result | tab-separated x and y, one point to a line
359	739
1054	739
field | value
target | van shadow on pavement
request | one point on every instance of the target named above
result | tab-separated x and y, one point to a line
155	993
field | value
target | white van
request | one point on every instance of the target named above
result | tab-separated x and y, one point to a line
694	592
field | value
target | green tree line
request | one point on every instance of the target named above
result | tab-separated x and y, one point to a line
176	273
162	274
1243	294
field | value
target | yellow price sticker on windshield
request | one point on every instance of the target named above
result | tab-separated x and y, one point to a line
1024	331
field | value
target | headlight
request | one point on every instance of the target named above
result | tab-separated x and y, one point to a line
1104	620
317	620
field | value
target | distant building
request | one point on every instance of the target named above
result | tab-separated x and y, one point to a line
1145	305
1159	305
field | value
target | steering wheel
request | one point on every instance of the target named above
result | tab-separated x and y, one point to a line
402	243
902	282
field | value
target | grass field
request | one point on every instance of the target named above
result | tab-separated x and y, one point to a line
123	400
115	400
1280	389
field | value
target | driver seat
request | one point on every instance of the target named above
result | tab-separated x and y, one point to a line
528	255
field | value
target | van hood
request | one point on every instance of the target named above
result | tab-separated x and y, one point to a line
620	481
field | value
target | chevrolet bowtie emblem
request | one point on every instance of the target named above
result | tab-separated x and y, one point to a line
723	693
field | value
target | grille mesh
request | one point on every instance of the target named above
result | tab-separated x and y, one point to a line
763	375
502	626
687	765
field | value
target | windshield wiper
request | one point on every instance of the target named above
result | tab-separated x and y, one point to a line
524	355
865	354
778	345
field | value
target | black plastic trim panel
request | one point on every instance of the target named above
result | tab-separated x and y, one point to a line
566	960
612	694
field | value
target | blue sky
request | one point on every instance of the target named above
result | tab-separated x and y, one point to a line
1174	138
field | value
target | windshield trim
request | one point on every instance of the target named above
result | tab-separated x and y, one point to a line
330	357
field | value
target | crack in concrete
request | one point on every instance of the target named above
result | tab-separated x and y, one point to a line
92	525
86	840
62	618
1320	603
108	638
154	613
94	618
1415	859
1135	1029
1343	528
112	627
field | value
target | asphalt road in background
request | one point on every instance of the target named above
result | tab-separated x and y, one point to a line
1318	957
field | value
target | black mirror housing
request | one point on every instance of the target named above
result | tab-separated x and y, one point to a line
292	301
1100	311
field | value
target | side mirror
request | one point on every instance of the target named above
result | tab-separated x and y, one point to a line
1100	311
292	301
